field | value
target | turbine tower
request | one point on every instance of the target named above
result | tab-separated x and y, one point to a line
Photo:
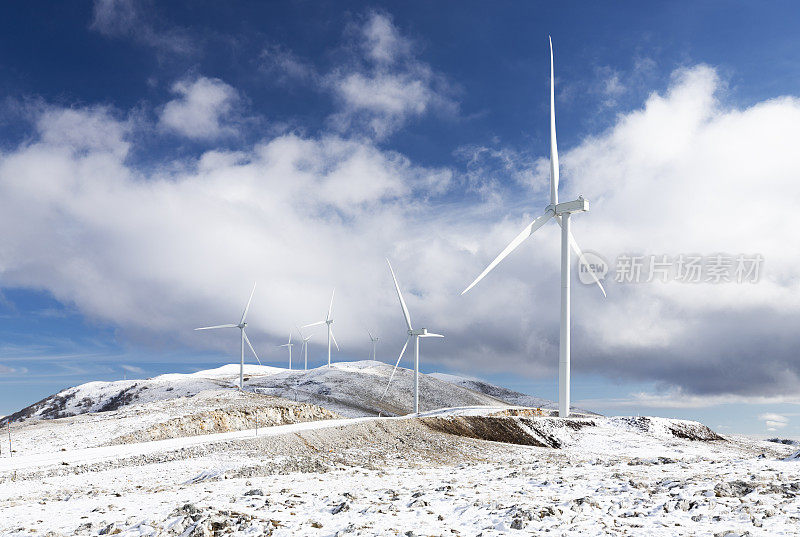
289	345
416	334
374	341
328	321
243	337
561	212
304	348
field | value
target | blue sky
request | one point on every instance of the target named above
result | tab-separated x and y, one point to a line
155	159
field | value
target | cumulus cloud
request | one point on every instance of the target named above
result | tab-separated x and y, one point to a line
203	109
391	88
379	86
133	19
158	252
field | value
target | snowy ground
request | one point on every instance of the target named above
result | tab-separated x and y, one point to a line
315	473
389	476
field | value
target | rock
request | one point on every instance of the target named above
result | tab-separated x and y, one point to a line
733	489
418	503
340	508
200	529
110	529
254	492
189	508
316	524
517	524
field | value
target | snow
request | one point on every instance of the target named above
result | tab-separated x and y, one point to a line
355	482
442	472
352	389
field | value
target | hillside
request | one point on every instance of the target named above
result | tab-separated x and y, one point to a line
350	389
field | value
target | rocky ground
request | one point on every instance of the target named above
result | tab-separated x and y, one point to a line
393	476
194	464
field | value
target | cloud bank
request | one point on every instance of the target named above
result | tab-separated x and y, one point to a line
158	250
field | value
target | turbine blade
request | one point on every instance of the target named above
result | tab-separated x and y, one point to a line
299	331
400	296
370	335
574	245
217	326
290	337
330	308
247	339
402	352
244	314
553	142
314	324
524	234
431	334
334	339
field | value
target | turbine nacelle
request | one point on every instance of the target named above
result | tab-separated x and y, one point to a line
418	332
577	206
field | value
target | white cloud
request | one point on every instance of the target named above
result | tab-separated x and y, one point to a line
127	19
773	422
7	370
159	252
378	83
202	111
678	398
382	41
132	369
286	67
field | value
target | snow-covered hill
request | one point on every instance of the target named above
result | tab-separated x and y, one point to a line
351	389
504	394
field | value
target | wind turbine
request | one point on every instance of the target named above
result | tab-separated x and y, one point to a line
416	334
561	212
329	321
374	341
304	348
289	345
243	338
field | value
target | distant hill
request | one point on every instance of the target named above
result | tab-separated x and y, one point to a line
350	389
504	394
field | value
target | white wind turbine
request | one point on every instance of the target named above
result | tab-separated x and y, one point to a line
304	348
328	321
374	341
243	337
289	345
416	334
561	212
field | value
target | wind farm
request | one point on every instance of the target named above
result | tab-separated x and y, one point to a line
310	176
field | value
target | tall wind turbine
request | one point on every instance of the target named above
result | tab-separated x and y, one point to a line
304	348
416	334
243	337
289	345
374	341
328	321
561	212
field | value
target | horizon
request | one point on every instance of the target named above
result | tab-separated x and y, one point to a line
156	160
